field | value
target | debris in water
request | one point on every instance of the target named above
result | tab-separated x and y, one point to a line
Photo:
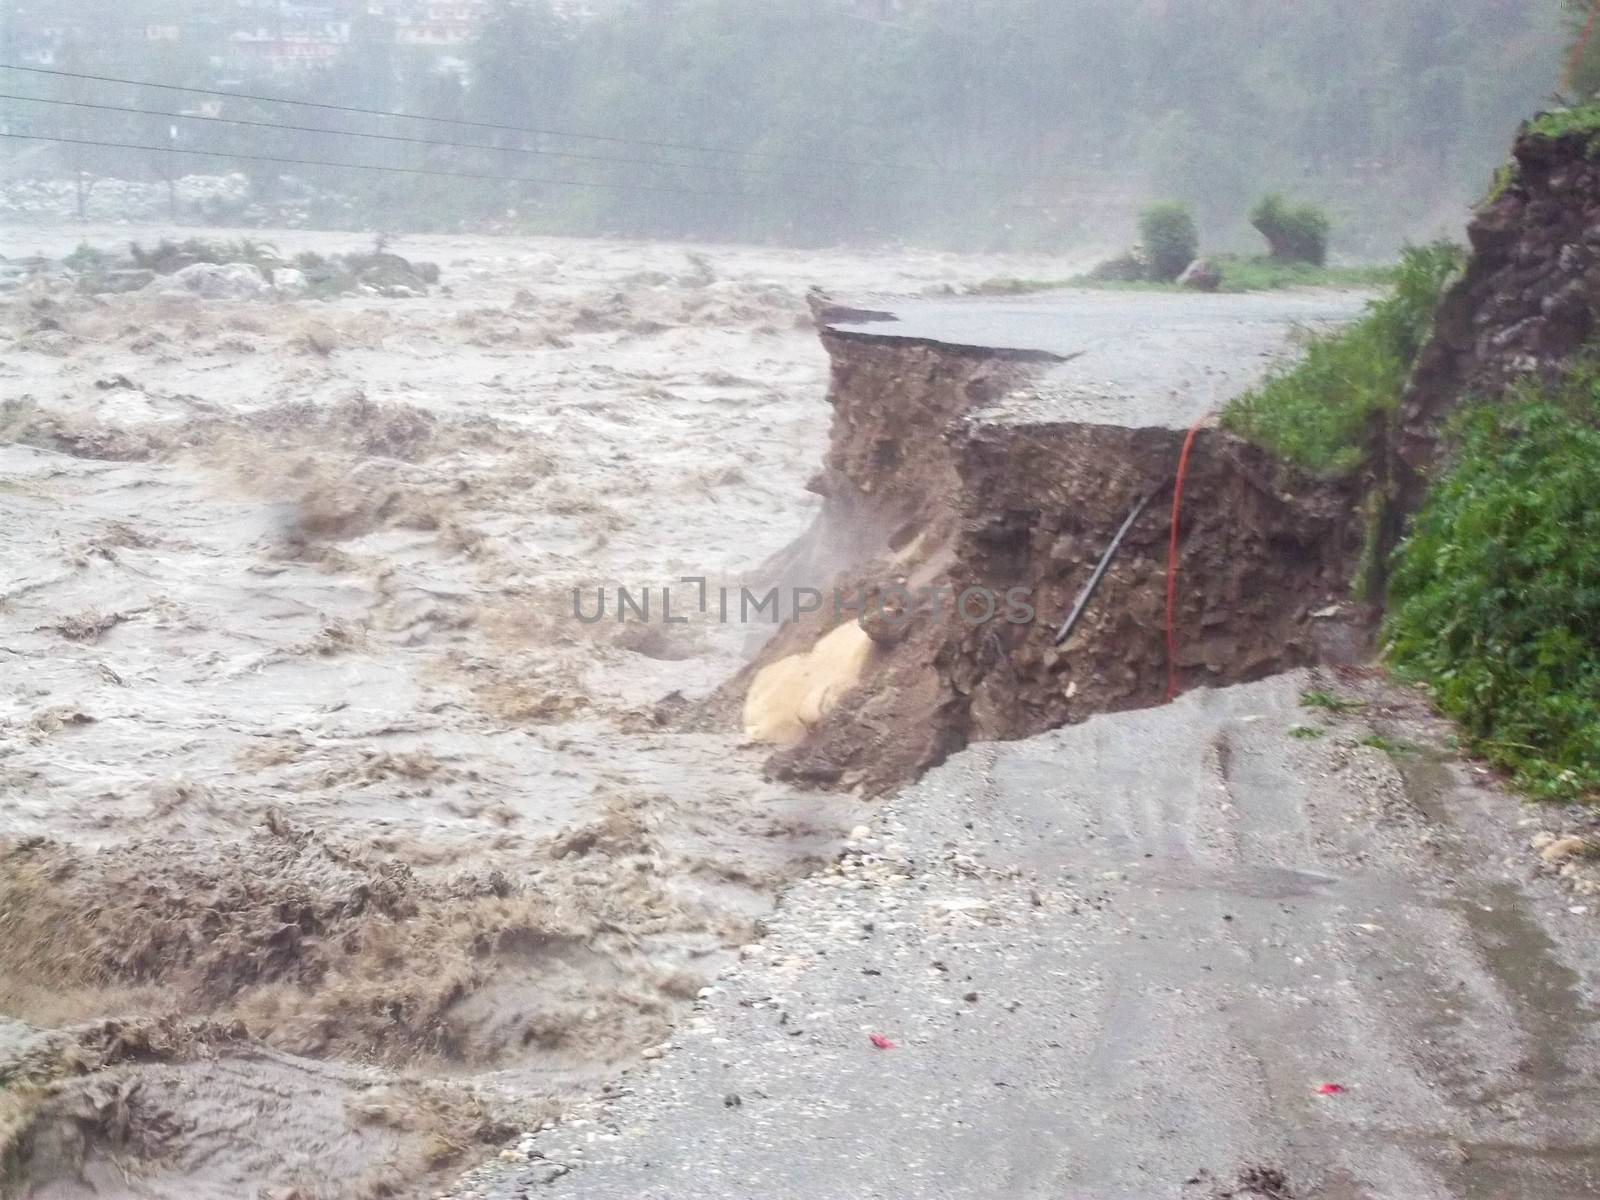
881	1042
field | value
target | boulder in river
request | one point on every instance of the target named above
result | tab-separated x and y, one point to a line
217	281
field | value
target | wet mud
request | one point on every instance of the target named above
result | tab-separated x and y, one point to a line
970	528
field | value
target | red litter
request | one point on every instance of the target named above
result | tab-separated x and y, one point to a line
881	1042
1330	1089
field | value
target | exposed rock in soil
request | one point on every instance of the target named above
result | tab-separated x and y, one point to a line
890	475
1202	275
1526	304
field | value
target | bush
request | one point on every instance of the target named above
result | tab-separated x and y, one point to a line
1170	240
1495	595
1294	233
1131	267
87	260
1318	412
169	257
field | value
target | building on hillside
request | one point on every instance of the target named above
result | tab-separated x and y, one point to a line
252	37
32	33
289	36
439	23
582	10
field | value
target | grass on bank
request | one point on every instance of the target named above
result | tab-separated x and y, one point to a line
1267	274
1317	413
1328	702
1494	596
1582	120
1239	274
1585	118
1494	599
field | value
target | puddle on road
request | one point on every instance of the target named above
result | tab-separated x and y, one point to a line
1555	1030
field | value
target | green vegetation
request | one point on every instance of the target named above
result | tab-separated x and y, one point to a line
1319	412
1239	274
1306	732
168	257
1495	595
1504	176
1170	240
1010	124
1367	582
1328	702
1294	233
86	259
1562	121
1393	747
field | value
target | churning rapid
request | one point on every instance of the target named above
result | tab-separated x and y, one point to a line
324	817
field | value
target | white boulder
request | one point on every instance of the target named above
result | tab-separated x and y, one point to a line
217	281
287	281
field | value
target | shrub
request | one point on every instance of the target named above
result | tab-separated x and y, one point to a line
1495	595
1131	267
1317	413
1294	233
87	260
168	257
1170	240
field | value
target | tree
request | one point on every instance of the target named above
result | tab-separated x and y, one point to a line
1294	232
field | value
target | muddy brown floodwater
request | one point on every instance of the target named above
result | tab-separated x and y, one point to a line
332	849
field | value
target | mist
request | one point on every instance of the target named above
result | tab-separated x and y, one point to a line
913	599
1030	125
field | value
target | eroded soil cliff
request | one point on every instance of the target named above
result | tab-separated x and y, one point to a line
933	490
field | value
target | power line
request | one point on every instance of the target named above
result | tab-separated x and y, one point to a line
381	112
853	164
318	162
421	141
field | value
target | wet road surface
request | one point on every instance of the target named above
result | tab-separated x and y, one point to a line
1133	358
1123	960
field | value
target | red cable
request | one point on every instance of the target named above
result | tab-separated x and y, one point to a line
1172	554
1583	44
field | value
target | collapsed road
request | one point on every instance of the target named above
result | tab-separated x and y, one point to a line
1125	358
1003	444
1230	946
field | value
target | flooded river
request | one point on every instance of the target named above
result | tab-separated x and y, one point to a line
333	849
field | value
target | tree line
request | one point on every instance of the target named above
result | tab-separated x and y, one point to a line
978	123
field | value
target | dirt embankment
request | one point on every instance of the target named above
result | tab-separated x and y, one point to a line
890	477
929	497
